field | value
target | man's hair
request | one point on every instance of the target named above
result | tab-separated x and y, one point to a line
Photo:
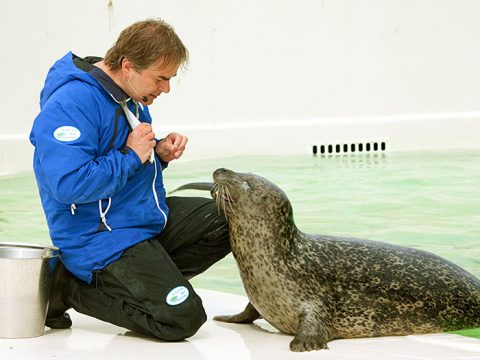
146	42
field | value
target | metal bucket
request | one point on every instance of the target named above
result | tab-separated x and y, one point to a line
26	272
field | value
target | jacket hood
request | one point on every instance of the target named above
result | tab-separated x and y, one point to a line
68	68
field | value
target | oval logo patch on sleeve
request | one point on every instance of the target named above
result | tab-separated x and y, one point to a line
66	133
177	295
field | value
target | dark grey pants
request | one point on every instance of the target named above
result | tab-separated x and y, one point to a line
147	290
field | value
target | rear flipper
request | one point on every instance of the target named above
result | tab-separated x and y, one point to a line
194	186
246	316
313	332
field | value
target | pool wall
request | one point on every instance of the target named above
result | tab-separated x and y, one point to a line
303	136
276	76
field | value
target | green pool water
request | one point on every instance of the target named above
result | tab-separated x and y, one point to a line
427	200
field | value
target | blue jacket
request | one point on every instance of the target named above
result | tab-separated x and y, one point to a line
98	198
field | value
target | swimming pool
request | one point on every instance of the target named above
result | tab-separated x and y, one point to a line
428	200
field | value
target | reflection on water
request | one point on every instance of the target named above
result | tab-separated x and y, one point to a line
428	200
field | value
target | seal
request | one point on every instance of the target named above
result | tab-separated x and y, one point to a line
319	287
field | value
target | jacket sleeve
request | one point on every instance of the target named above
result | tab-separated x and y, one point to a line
74	169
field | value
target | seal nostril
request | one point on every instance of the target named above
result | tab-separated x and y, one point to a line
219	172
222	171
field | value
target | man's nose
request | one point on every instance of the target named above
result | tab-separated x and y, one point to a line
165	86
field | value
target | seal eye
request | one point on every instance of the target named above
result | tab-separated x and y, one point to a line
246	186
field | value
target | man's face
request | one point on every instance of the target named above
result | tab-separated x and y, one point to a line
152	81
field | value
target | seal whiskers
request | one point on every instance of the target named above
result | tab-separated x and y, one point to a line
222	197
230	200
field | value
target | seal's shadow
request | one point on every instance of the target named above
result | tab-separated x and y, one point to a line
259	331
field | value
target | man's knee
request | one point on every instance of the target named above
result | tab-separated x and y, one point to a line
183	320
191	324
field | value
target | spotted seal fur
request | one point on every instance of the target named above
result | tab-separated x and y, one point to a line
320	287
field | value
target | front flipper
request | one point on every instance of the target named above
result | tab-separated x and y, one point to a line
246	316
314	332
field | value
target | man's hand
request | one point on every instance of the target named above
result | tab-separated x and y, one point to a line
142	141
171	147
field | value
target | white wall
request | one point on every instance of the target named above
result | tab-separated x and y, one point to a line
304	63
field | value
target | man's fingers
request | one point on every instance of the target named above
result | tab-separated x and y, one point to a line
144	128
178	154
180	142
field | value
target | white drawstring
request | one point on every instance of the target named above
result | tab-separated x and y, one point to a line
153	185
73	208
155	193
104	213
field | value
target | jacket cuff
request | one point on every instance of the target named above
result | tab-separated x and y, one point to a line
128	151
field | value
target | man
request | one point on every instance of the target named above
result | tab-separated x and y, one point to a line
127	251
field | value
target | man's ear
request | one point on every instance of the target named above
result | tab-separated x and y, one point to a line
127	65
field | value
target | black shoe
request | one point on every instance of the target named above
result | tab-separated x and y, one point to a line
61	322
57	318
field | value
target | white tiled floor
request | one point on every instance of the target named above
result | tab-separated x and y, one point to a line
91	339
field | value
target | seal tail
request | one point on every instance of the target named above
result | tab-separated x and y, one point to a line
207	186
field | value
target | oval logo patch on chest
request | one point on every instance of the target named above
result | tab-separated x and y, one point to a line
66	133
177	295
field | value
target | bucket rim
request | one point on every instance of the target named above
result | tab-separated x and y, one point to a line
29	246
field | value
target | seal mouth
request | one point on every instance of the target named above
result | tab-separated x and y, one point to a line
223	197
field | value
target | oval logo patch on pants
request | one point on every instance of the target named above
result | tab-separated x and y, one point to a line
177	295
